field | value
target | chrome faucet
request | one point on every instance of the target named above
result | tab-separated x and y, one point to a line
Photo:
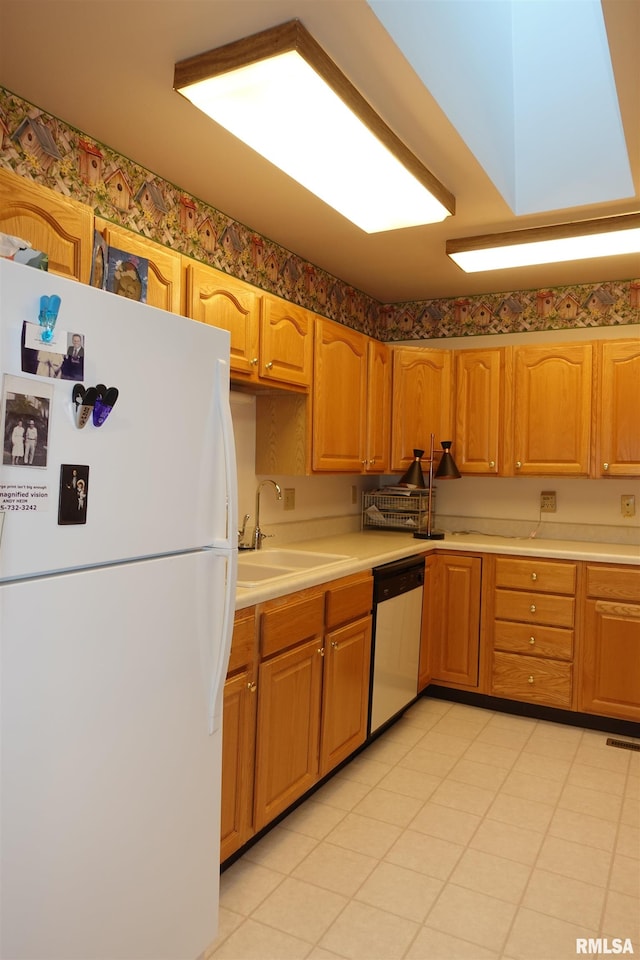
241	544
258	536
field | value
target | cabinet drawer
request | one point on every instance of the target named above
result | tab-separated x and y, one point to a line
533	679
547	576
284	625
613	583
533	640
348	599
243	639
534	608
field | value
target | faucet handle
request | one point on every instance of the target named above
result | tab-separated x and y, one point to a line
242	529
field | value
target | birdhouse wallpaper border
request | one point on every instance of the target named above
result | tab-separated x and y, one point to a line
46	150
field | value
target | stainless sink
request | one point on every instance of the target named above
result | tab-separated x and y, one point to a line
262	565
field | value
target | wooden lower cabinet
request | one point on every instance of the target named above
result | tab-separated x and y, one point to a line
610	675
289	698
345	698
238	737
453	598
532	625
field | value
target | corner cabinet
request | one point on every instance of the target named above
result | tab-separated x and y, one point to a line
339	398
610	677
480	412
422	402
454	589
52	223
618	401
552	410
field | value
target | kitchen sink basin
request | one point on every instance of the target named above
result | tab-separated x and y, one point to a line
261	565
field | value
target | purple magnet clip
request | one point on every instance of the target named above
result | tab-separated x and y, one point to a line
104	405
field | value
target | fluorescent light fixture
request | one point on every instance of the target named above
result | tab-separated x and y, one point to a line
604	237
281	94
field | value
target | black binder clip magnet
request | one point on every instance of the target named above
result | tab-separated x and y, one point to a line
85	408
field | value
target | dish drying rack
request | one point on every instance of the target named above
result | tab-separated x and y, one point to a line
396	508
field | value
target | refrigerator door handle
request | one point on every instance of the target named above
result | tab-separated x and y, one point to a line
220	668
226	424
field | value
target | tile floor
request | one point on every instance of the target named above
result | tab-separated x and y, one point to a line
460	833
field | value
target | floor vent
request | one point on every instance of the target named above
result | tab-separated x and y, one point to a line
622	744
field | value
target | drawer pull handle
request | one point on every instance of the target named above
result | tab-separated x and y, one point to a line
530	680
532	640
532	608
534	576
252	687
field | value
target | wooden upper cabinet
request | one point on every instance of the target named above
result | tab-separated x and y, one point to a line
378	439
52	223
552	410
286	342
164	284
617	452
216	298
422	402
339	398
480	412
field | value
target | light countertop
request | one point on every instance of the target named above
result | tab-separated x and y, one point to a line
370	548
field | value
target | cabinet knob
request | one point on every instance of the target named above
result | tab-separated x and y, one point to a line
534	576
252	687
530	680
269	365
492	463
532	608
532	640
334	644
321	651
605	466
253	361
518	464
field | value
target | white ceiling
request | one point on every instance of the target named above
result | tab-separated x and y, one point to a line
107	69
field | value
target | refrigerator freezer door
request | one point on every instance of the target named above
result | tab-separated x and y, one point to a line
110	781
162	466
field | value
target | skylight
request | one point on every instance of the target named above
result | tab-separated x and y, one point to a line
529	86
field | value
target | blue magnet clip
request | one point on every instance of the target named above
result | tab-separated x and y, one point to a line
105	402
49	307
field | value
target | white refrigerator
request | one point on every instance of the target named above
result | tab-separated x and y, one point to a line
115	628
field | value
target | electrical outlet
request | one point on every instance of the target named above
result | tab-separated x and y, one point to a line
289	498
548	501
628	505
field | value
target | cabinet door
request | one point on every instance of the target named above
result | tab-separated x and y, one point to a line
288	729
286	342
339	398
345	692
479	411
238	758
456	608
214	297
422	397
165	265
610	679
618	442
54	224
552	409
430	623
378	426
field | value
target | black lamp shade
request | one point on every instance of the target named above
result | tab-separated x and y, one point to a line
447	469
414	477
